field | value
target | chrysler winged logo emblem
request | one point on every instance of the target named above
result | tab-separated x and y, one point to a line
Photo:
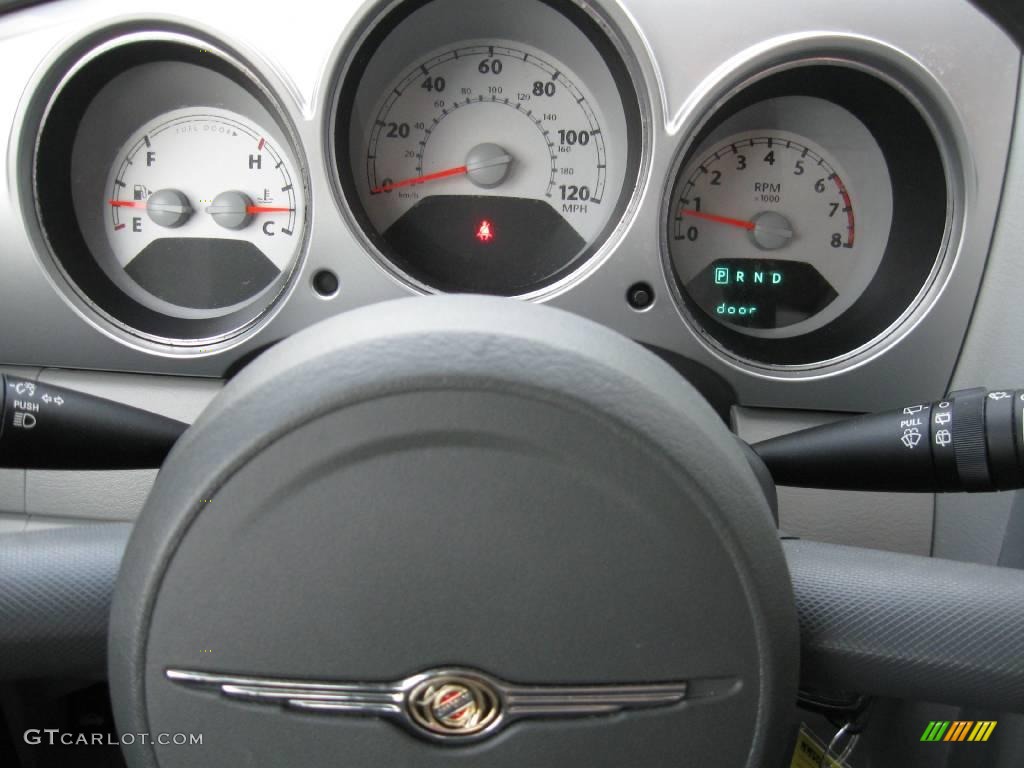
443	704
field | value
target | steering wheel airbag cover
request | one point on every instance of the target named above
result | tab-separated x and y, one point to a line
457	482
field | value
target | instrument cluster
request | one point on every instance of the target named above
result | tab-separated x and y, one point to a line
805	212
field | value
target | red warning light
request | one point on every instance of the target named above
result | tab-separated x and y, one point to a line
485	232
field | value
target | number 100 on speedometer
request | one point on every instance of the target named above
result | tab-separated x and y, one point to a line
490	167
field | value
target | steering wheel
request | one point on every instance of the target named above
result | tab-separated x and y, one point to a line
467	530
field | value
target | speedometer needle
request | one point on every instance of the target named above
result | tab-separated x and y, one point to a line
740	223
458	170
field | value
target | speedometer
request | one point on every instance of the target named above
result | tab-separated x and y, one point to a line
503	118
490	165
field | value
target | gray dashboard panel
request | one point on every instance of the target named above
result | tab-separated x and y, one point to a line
42	498
682	71
112	495
971	528
898	522
991	354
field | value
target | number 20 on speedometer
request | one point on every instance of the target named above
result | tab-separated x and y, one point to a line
494	133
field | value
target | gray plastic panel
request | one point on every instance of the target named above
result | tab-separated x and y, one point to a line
12	523
969	527
12	481
12	491
95	495
28	500
111	495
991	354
898	522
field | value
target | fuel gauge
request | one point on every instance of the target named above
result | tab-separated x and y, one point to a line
203	213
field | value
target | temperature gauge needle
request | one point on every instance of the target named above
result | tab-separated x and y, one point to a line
739	223
266	209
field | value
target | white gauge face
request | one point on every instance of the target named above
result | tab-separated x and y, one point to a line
491	165
203	213
490	119
770	232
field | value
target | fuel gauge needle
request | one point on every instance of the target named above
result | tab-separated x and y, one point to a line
127	203
739	223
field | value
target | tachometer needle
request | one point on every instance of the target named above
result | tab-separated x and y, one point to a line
740	223
459	170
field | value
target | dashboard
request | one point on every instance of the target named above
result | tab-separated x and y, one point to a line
798	209
800	202
809	210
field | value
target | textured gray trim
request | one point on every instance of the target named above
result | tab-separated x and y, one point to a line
892	625
909	627
55	599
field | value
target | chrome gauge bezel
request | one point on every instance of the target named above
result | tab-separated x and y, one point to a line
158	333
922	92
376	22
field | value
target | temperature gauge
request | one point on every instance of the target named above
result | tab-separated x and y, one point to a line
203	213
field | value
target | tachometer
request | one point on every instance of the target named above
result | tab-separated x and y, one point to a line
807	217
489	164
765	230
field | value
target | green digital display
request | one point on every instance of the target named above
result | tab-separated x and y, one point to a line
744	276
761	293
